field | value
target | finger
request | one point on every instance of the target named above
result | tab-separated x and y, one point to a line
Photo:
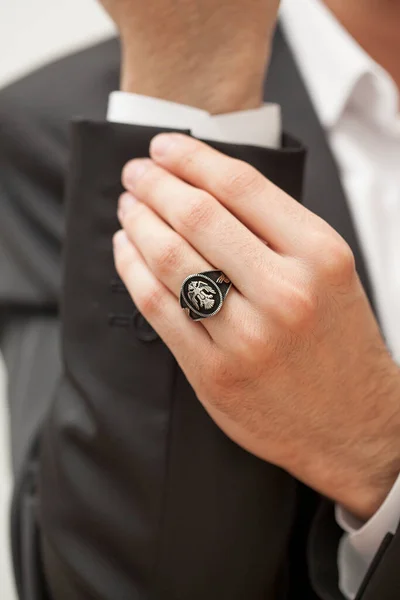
168	255
171	259
207	226
158	305
269	212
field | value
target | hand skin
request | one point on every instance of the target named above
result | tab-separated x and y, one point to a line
208	54
293	368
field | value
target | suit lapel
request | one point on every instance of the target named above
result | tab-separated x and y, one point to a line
323	191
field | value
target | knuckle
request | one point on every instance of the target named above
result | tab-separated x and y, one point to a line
250	344
240	179
150	301
338	263
168	258
299	307
221	377
224	383
198	212
335	257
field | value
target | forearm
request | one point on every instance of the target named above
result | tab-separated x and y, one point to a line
212	56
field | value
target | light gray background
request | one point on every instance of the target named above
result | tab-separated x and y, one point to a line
33	32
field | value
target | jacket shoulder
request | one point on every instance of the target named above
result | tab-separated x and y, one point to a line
35	111
34	123
71	86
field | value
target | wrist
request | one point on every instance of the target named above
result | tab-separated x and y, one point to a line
365	496
362	475
216	95
376	455
218	101
358	480
218	84
357	465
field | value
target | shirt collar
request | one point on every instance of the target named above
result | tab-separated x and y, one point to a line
336	70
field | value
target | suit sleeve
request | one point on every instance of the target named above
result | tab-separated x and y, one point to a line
141	495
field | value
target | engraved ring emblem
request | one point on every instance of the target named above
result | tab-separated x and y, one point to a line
203	294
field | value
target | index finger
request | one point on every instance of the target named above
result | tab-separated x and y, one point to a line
265	209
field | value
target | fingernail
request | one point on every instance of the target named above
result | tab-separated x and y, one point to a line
120	239
162	143
125	203
135	170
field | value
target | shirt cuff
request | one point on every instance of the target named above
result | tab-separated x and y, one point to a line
257	127
361	541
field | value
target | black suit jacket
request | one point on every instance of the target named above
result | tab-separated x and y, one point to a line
139	493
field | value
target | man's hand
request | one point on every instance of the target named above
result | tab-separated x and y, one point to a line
293	368
208	54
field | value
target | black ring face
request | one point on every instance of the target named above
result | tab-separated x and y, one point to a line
202	295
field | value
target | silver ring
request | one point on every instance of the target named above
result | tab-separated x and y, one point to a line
203	294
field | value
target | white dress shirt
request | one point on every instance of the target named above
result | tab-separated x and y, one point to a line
258	127
357	104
